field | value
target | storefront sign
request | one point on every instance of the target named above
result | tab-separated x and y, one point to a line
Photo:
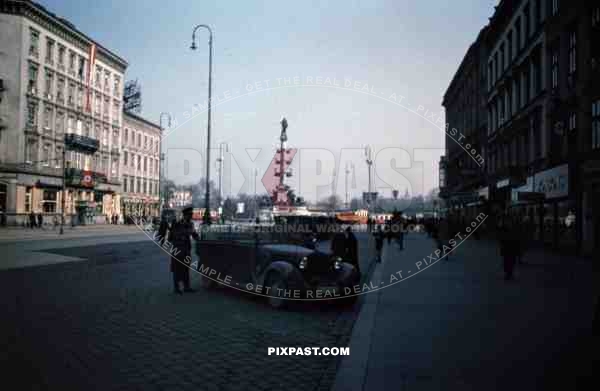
484	192
527	188
553	183
502	183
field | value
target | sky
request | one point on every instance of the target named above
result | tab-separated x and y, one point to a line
392	61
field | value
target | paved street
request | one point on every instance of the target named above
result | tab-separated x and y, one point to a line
109	321
459	326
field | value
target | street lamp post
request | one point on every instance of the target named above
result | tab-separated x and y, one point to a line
210	51
64	192
369	161
161	159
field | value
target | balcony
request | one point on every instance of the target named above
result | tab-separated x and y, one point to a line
81	143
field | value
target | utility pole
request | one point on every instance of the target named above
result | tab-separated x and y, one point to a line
64	191
220	160
161	158
369	161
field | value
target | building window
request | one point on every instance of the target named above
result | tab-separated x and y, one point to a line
115	113
98	102
138	186
537	75
145	164
71	95
28	196
31	115
535	125
105	137
496	68
139	162
554	68
518	33
80	97
125	156
58	157
526	87
48	85
555	7
114	167
125	184
33	76
34	42
106	104
49	51
527	21
572	125
132	160
502	64
49	201
131	185
106	81
72	56
47	118
517	92
596	17
509	43
60	122
30	151
139	140
117	87
60	90
596	124
46	155
115	142
572	52
61	56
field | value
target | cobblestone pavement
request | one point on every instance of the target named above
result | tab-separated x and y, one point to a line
112	323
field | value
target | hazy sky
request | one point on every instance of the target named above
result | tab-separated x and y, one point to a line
407	48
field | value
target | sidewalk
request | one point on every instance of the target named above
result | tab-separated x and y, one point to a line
459	326
21	233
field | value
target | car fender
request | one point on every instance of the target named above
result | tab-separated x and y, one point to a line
286	269
347	272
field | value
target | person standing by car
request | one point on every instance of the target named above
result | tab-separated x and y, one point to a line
509	247
379	237
351	246
179	237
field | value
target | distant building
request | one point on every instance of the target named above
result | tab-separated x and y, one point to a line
140	166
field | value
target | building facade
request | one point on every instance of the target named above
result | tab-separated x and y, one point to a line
140	165
542	134
60	93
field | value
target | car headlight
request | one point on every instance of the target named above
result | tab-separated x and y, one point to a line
338	263
303	263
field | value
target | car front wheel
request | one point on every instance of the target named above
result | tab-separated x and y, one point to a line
278	284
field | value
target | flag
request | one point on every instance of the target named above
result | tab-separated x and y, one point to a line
88	102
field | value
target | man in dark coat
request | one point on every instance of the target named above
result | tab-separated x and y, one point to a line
32	223
379	237
351	245
181	258
509	247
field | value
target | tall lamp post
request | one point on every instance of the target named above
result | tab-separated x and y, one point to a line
369	161
210	51
161	159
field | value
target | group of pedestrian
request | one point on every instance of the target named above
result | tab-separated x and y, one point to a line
36	221
114	219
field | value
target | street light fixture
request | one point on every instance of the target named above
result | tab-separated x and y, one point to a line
210	51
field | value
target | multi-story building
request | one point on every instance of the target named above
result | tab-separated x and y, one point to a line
57	84
543	118
466	139
140	165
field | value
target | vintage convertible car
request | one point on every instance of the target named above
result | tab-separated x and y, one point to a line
272	266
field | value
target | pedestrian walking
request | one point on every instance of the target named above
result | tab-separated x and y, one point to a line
40	220
509	247
180	236
379	237
32	223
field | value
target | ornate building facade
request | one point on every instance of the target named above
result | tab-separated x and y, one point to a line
60	113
